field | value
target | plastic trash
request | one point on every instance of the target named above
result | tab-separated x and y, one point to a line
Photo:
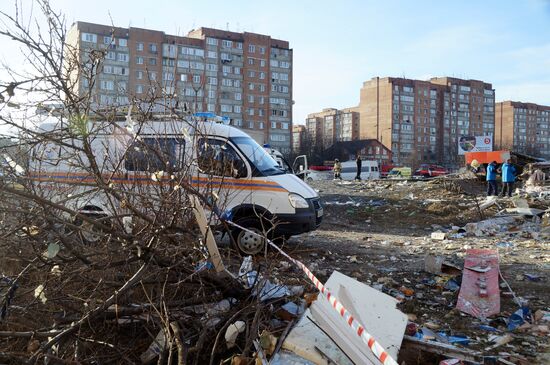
518	318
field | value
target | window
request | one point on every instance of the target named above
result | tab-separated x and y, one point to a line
237	70
212	94
183	64
108	69
89	37
217	157
251	48
262	99
262	50
227	82
262	75
237	108
262	63
262	87
278	137
152	75
107	40
260	112
238	96
183	77
152	61
139	60
237	83
225	57
250	86
167	76
139	89
250	111
139	75
155	154
273	125
119	70
274	63
261	125
212	41
250	61
283	76
152	47
197	65
226	69
211	67
284	125
284	64
196	79
239	45
226	108
250	98
212	81
123	42
227	44
139	46
212	54
251	74
107	85
110	55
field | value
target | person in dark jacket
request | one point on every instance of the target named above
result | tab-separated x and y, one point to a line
359	164
508	178
491	177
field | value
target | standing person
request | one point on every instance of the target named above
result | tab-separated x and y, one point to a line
508	178
359	164
337	169
492	188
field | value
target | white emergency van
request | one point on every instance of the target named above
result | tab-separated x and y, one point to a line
248	185
369	170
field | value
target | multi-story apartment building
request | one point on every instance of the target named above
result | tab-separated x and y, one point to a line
298	134
523	127
333	125
244	76
421	121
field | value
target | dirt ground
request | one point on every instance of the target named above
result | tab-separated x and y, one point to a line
379	233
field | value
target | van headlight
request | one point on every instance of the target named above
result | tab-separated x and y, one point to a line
297	201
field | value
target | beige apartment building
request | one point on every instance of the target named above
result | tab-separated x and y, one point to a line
244	76
523	127
333	125
298	135
421	121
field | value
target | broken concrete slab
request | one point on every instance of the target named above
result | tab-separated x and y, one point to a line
305	337
375	310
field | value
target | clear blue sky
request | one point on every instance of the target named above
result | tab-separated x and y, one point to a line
339	44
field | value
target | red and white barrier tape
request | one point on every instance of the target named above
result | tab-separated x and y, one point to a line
357	327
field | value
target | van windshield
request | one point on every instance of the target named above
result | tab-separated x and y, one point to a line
257	156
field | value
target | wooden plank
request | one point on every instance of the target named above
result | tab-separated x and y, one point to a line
206	231
439	348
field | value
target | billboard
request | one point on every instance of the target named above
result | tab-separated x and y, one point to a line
474	144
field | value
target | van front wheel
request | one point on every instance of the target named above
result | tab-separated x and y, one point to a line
247	242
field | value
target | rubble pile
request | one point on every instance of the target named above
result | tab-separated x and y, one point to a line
389	246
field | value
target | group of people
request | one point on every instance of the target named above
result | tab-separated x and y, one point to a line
337	168
508	176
